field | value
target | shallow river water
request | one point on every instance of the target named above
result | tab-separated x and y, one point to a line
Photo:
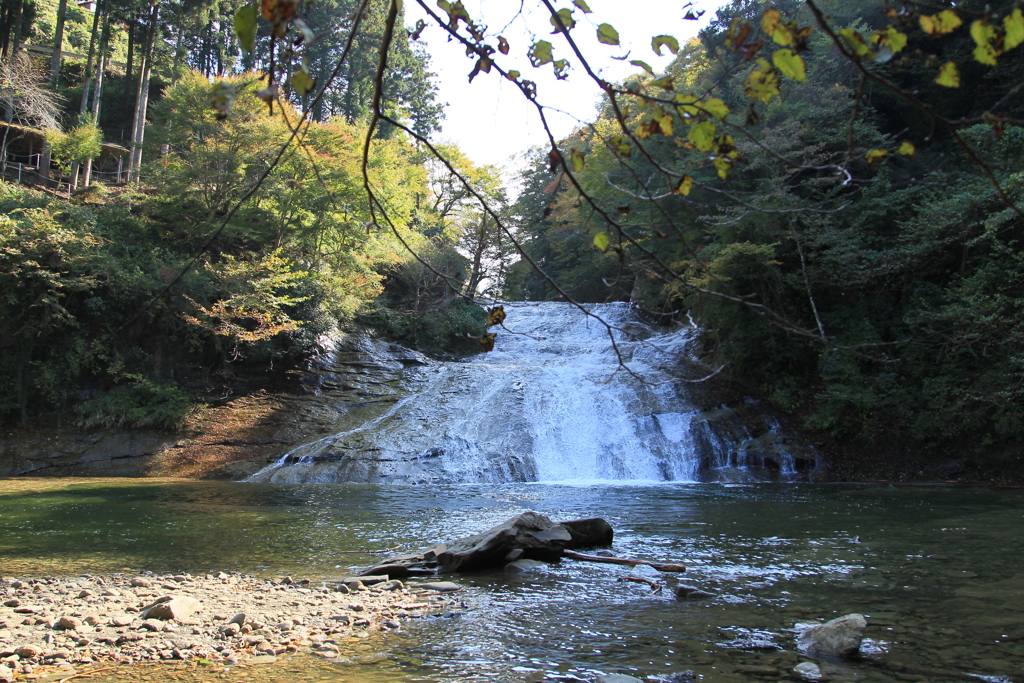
938	571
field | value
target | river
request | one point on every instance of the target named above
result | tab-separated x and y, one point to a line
937	570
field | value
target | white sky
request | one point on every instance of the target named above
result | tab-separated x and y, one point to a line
490	119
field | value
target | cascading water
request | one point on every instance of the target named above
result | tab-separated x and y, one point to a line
555	401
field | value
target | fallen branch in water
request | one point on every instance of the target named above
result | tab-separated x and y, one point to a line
660	566
639	579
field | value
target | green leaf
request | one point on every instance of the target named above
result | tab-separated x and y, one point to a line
949	75
643	65
668	41
855	43
582	5
620	145
562	18
245	27
601	241
702	136
1013	25
790	64
540	53
578	160
665	82
607	34
302	82
715	107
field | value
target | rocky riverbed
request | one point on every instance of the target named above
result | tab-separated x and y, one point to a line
50	624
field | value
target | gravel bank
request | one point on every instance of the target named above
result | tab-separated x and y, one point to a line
64	622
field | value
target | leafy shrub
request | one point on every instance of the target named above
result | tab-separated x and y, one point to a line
140	404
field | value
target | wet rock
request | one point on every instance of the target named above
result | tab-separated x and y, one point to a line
525	567
588	533
692	593
617	678
837	638
756	670
392	624
394	585
177	608
808	671
688	676
440	586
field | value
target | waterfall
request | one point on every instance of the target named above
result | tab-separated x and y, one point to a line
555	401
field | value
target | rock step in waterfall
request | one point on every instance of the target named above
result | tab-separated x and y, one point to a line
553	403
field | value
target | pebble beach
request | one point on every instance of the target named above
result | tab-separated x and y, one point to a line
49	623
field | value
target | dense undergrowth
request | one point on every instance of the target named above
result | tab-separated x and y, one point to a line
97	328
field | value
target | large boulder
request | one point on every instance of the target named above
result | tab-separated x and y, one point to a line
837	638
528	536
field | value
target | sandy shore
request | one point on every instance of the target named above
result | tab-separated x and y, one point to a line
66	622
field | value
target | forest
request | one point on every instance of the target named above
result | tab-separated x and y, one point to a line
831	191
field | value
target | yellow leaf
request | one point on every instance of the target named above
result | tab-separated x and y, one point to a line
703	136
790	64
985	35
889	38
876	156
940	24
302	82
620	146
762	84
907	149
601	241
715	107
496	316
949	75
722	165
1013	25
855	42
771	24
685	186
666	125
685	108
577	159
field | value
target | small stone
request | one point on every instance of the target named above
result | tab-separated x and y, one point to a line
94	620
688	676
287	580
6	674
86	593
29	651
691	593
152	625
111	593
755	670
178	608
342	588
392	585
440	586
617	678
13	602
356	607
82	642
262	659
392	624
342	619
122	621
356	585
238	619
837	638
808	671
230	630
68	624
139	582
328	647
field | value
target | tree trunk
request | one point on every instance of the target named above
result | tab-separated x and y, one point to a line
178	53
475	275
84	106
142	99
97	97
19	16
129	64
58	43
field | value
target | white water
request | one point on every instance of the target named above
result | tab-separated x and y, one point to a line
554	402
